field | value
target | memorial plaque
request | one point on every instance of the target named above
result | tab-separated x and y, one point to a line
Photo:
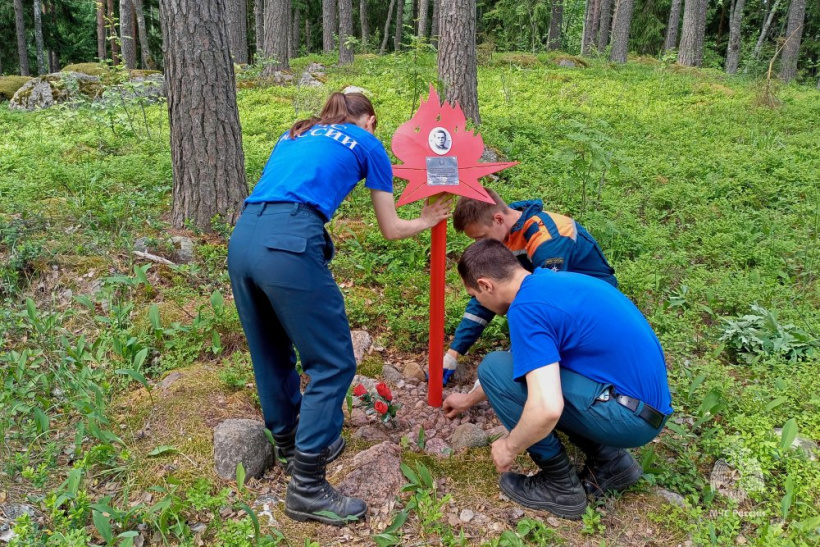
442	171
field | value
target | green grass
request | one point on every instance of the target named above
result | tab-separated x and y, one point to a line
709	205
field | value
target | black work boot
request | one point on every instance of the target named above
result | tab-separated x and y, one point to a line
309	493
286	445
555	488
609	468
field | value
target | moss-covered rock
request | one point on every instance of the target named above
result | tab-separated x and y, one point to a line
50	89
90	69
10	84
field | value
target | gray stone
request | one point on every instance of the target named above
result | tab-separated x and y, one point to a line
437	447
413	371
381	462
355	89
807	446
141	244
166	382
466	515
12	511
567	63
468	436
361	344
489	155
391	375
149	89
183	249
50	89
367	382
672	497
308	80
241	440
370	433
461	376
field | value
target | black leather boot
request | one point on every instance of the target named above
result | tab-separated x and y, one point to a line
286	445
309	493
555	488
609	468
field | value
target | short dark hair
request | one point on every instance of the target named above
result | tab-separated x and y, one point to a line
486	258
469	211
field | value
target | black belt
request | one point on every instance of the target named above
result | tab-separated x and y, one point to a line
648	413
260	207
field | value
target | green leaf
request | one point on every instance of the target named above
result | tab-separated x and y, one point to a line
789	434
424	475
135	375
31	309
41	419
217	302
776	403
675	428
153	317
397	523
410	474
247	509
240	474
163	450
103	525
139	358
73	481
139	273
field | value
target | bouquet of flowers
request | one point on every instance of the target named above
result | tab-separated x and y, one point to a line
380	403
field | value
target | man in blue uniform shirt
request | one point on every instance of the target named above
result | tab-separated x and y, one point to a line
584	361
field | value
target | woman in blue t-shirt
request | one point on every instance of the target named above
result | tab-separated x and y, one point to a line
286	296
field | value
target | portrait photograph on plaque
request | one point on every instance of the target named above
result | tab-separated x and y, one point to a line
442	171
440	141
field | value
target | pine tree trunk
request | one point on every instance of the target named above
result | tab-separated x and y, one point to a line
765	30
127	34
328	24
275	46
206	138
700	36
457	68
236	24
259	25
733	49
590	32
794	35
620	31
112	34
363	23
345	31
604	25
387	27
22	49
38	36
101	52
587	27
688	38
434	27
297	33
142	32
423	9
671	40
399	26
556	23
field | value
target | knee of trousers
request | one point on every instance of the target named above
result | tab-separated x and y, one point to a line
495	368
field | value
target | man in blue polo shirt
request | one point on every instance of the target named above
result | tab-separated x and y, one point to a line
584	361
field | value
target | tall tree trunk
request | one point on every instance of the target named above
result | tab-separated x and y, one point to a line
53	57
38	36
688	38
423	8
112	34
142	31
733	49
671	40
236	23
259	25
101	54
399	25
556	24
620	31
127	34
297	33
605	25
22	49
590	32
387	27
345	31
277	18
308	35
765	30
435	26
206	137
457	67
700	36
328	24
363	23
794	35
53	61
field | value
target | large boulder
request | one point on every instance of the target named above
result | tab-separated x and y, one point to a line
382	461
10	84
241	440
50	89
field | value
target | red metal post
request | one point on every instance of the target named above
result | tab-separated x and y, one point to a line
438	260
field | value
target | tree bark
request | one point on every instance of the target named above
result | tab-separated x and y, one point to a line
22	49
101	52
604	25
590	32
556	22
387	27
671	40
688	39
794	35
206	137
345	31
112	34
297	33
259	25
733	49
620	31
457	67
363	23
328	24
435	26
142	31
423	9
276	35
236	23
127	34
38	36
53	61
399	25
765	30
700	36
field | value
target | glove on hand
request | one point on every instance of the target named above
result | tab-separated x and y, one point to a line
450	366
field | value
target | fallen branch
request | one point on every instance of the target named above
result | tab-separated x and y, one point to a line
154	258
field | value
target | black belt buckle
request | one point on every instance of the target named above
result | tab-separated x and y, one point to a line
649	414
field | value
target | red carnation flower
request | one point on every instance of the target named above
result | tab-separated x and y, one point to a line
380	407
359	390
384	391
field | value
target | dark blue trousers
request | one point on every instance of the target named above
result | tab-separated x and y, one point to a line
287	298
587	422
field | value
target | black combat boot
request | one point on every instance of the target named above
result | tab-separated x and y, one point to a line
286	445
309	493
609	468
555	488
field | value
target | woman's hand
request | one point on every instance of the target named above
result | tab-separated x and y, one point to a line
393	227
434	212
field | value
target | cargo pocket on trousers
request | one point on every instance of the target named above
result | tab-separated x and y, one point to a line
330	249
286	242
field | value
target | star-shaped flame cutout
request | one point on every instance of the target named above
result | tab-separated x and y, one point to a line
442	127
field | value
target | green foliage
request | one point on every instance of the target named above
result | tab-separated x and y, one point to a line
759	334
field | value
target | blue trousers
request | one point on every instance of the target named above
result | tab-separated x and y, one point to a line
587	422
287	298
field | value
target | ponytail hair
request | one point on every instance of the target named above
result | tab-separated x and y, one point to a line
339	108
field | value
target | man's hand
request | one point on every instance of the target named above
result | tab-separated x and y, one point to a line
456	403
503	457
